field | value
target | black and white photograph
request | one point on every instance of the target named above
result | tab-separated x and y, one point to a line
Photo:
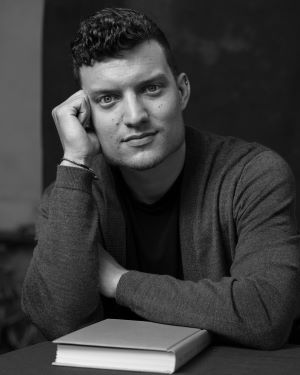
149	200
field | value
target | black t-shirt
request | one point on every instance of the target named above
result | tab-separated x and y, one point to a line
152	238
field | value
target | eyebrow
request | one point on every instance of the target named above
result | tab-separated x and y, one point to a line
157	77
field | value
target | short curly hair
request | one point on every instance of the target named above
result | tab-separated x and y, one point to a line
112	30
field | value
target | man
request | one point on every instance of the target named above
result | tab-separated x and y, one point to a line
181	227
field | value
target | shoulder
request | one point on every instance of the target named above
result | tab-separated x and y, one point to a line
266	162
227	153
233	167
267	172
220	146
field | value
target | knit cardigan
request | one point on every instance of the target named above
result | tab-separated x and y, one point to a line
238	237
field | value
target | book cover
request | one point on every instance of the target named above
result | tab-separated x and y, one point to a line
131	345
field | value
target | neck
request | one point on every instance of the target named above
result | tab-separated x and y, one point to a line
150	185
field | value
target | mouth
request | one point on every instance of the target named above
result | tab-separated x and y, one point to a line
141	139
139	136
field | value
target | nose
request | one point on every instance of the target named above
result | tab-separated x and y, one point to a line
135	112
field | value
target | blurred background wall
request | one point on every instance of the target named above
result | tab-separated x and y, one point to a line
20	158
242	58
20	102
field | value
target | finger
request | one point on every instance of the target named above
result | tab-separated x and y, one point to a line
87	121
76	95
84	112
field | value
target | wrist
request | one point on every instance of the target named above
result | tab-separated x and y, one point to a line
72	163
66	163
117	279
78	159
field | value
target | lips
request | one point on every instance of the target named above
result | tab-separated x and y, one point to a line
139	136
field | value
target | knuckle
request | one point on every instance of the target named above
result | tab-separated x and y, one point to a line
53	113
57	111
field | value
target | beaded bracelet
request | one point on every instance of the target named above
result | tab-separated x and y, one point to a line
82	166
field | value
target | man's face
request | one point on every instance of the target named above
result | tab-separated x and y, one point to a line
136	106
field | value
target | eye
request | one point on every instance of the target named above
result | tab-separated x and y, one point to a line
106	100
152	89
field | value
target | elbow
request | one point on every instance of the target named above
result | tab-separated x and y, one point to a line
27	304
31	309
271	335
39	311
267	340
55	320
267	317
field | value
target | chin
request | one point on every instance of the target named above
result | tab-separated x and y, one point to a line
138	165
137	162
144	165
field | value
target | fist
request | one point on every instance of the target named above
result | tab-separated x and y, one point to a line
73	122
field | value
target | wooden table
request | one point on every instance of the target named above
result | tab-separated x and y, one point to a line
215	360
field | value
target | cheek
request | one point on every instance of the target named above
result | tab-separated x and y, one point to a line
105	135
168	109
106	128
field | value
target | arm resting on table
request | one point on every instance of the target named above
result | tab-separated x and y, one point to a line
256	304
60	291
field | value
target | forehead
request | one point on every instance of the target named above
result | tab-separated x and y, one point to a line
140	63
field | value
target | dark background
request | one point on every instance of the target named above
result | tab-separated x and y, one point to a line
242	58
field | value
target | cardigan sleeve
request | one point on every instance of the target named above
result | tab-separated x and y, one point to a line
256	303
60	291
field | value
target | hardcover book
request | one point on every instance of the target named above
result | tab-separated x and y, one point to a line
130	345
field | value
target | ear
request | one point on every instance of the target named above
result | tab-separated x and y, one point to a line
184	88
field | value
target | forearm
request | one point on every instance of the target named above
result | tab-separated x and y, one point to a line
60	289
247	311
